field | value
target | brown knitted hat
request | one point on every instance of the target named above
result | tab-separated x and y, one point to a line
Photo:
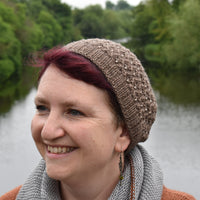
129	81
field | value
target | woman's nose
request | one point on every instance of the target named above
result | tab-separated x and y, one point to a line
52	128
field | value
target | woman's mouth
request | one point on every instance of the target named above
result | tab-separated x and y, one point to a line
60	150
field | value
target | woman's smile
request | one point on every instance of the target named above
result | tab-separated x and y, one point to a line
60	150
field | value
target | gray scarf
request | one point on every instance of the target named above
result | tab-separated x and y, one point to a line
146	178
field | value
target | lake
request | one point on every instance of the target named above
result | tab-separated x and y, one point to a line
174	141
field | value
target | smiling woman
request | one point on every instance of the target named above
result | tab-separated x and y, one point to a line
94	104
76	119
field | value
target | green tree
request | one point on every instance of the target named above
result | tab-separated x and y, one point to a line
63	15
140	34
34	8
126	19
159	10
10	51
122	5
29	25
50	28
59	12
110	5
176	4
183	51
91	26
93	21
28	32
89	21
113	25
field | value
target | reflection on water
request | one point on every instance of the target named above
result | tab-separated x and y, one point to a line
179	89
14	90
174	141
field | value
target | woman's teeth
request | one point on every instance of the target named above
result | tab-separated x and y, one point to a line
60	150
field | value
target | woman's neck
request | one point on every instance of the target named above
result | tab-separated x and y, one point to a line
97	187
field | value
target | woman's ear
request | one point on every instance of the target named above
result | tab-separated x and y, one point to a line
123	141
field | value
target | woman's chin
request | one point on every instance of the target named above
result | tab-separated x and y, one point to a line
55	174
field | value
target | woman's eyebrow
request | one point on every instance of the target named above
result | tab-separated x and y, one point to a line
70	103
39	99
79	105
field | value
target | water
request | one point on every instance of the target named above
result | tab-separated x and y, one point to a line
18	155
174	141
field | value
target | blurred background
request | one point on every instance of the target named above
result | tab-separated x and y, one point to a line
165	36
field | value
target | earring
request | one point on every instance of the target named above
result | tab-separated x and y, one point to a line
120	167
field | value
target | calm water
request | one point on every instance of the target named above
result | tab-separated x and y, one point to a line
174	142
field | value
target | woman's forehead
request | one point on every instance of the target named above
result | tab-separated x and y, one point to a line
55	83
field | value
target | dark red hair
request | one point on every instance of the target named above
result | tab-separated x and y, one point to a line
82	69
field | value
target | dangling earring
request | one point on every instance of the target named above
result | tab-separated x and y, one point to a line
120	167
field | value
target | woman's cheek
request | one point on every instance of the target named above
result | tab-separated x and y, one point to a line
36	128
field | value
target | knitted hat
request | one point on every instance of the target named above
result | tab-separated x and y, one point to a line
129	81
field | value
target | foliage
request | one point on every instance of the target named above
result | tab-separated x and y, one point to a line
30	25
167	34
159	10
179	89
150	30
183	51
163	33
110	5
7	68
93	21
90	21
50	28
121	5
140	34
10	52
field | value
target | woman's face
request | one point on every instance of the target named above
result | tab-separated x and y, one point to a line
74	128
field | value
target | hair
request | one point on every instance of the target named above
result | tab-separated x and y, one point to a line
80	68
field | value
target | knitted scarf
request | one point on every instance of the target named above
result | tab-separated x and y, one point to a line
142	180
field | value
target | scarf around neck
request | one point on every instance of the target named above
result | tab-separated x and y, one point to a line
142	180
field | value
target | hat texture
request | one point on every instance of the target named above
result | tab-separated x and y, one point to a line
129	81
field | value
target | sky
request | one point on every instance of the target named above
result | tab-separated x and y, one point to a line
84	3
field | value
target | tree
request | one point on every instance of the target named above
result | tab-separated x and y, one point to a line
113	25
183	51
126	19
27	26
176	4
63	15
10	51
50	28
140	30
91	26
93	21
110	5
89	21
159	10
122	5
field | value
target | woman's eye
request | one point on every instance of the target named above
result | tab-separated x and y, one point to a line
74	112
41	108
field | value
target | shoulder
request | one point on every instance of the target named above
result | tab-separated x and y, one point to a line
169	194
11	195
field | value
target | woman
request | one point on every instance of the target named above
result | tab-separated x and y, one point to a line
94	104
